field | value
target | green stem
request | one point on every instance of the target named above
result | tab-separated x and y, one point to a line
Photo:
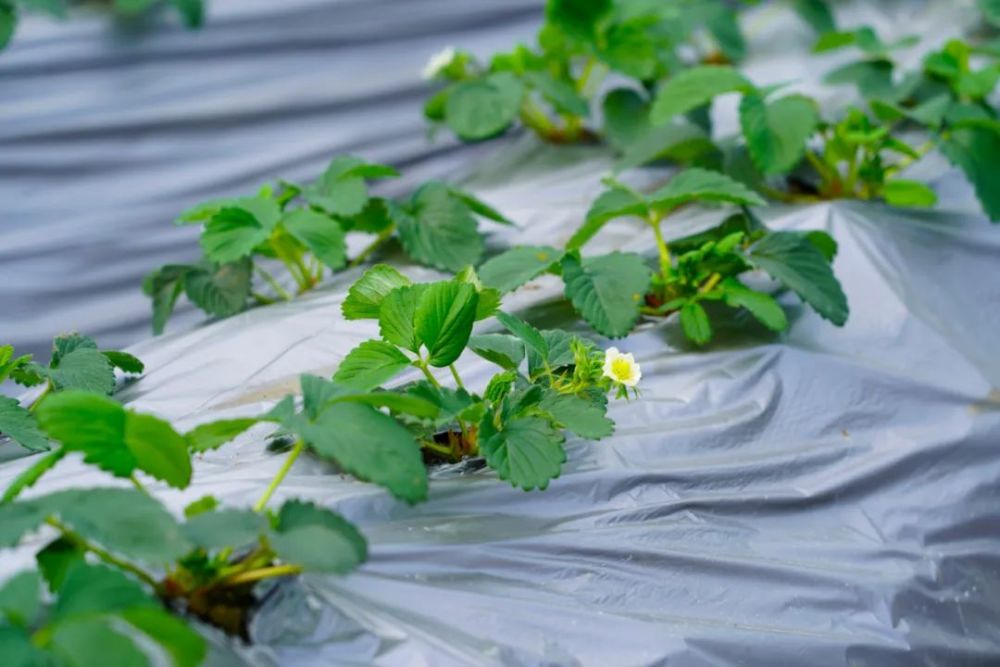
106	556
454	374
662	248
535	118
712	281
137	484
273	282
45	392
434	447
382	237
262	299
422	365
273	486
262	573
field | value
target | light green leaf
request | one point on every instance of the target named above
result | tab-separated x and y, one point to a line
371	364
17	423
158	449
442	232
215	434
232	234
528	452
483	108
317	539
585	418
513	268
503	350
321	234
444	318
905	193
607	290
365	296
702	185
370	445
762	306
613	203
222	290
694	87
794	261
694	321
395	320
776	132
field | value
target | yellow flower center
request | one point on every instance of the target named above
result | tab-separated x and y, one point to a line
621	369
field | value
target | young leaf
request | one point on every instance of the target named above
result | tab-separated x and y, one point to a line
613	203
528	452
321	234
703	185
693	88
444	318
527	333
370	445
370	364
221	290
503	350
317	539
395	319
776	132
607	290
762	306
585	418
365	296
442	232
791	259
513	268
694	321
483	108
905	193
17	423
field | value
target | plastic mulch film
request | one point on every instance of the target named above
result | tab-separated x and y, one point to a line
827	497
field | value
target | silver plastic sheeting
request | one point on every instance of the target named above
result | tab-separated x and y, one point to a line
827	497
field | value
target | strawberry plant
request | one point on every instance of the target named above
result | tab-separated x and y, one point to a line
192	12
550	381
305	227
76	364
612	291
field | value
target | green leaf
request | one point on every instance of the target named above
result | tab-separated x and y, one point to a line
577	18
631	49
873	78
57	559
443	320
694	87
84	368
17	519
204	504
560	351
395	320
371	364
192	12
215	434
531	336
17	423
725	28
158	449
370	445
694	321
341	190
513	268
163	286
317	393
776	133
185	647
479	207
365	296
817	14
19	599
95	589
503	350
528	452
8	23
489	298
94	642
990	10
232	234
625	117
225	528
825	243
561	94
126	362
317	539
91	424
702	185
615	202
762	306
607	290
974	150
321	234
401	403
905	193
63	345
681	141
220	291
483	108
794	261
585	418
29	476
442	232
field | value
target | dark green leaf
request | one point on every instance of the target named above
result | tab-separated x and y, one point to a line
84	368
222	291
371	364
776	132
702	185
817	14
95	589
163	286
577	18
975	151
365	296
762	306
442	232
317	539
226	528
479	207
232	234
321	234
8	23
528	452
192	11
531	336
625	117
185	647
794	261
607	290
513	268
57	559
613	203
585	418
483	108
503	350
91	641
